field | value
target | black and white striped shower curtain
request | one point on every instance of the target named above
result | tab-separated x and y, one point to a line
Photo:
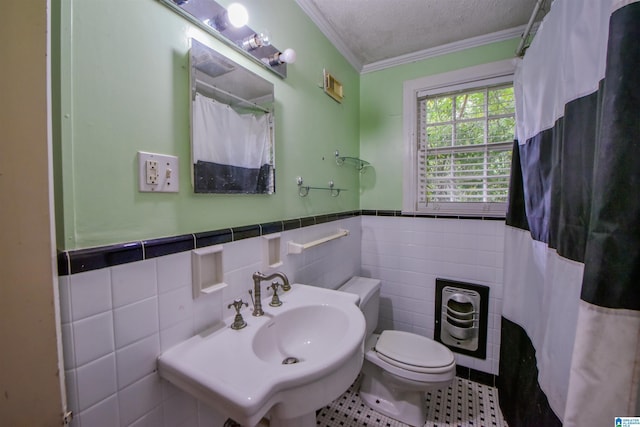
570	347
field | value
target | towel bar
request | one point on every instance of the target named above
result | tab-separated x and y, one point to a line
298	248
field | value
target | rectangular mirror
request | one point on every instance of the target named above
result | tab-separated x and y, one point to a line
232	126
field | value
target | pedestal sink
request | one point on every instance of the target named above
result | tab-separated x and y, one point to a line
284	365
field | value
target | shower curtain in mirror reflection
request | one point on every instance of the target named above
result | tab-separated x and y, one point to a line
570	344
231	151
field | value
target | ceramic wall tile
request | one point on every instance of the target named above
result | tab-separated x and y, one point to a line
90	293
173	271
137	360
139	398
135	321
151	307
93	337
102	414
96	381
133	282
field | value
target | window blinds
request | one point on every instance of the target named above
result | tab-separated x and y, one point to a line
464	148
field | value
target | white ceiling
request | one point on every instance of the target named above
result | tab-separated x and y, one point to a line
375	34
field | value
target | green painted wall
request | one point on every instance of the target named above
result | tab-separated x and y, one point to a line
121	85
120	80
381	134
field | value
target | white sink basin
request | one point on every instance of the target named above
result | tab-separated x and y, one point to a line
301	334
241	373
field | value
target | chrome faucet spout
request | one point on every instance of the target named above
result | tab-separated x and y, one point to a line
259	277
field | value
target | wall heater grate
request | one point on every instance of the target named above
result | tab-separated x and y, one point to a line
461	314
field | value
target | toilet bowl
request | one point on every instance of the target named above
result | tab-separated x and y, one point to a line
399	367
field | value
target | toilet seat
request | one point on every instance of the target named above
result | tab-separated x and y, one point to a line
413	352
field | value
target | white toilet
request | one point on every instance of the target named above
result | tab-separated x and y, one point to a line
399	367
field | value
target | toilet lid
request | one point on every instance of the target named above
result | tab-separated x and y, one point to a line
413	350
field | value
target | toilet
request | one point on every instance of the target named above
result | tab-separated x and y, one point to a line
399	367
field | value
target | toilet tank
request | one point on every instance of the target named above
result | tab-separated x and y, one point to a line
369	292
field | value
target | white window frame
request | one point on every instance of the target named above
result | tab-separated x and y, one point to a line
493	73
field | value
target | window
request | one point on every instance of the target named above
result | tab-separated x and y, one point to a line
464	151
460	146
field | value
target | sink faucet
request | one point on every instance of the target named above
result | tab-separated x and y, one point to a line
259	277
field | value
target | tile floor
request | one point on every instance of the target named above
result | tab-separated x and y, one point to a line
465	403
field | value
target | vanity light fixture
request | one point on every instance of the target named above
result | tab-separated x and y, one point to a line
255	41
235	15
278	58
230	26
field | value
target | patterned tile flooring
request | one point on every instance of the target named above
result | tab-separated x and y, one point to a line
465	403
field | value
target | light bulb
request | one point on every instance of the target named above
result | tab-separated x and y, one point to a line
279	58
255	41
238	15
288	56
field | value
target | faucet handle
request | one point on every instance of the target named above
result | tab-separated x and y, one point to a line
275	300
284	286
237	304
238	321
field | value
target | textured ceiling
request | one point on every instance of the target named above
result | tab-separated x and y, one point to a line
369	31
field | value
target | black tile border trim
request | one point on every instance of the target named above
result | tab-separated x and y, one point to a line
272	227
307	221
291	224
104	256
419	215
168	245
476	376
81	260
63	263
246	232
215	237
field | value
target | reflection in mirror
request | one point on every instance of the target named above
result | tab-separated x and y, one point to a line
222	23
232	126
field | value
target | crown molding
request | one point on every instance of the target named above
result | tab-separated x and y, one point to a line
444	49
323	25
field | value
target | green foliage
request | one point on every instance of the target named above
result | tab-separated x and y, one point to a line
470	105
472	121
439	110
469	133
501	130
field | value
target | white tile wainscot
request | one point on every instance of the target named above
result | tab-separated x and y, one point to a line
408	254
117	320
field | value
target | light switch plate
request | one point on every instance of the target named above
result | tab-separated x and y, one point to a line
157	173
